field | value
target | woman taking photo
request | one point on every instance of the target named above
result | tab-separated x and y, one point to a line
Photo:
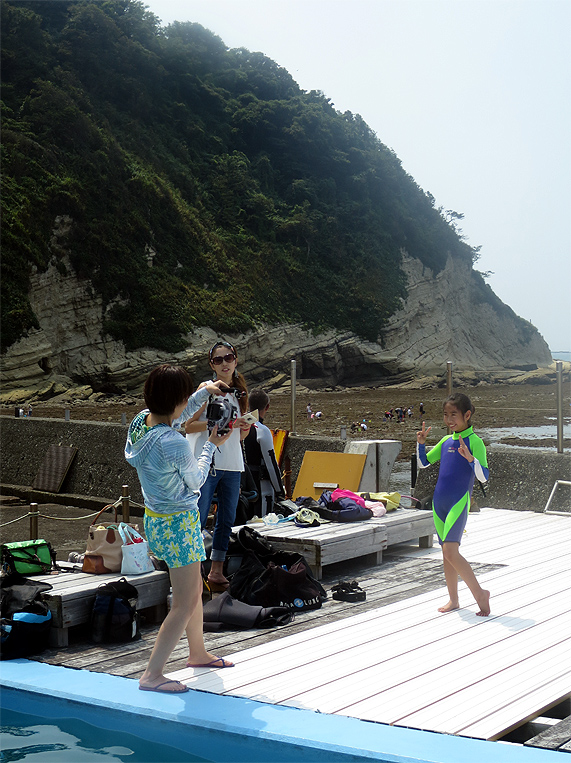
170	479
228	463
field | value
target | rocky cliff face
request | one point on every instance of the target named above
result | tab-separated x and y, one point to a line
444	318
453	316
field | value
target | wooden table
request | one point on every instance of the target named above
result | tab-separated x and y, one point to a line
338	541
73	593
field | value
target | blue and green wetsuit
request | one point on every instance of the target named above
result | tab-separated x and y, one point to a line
451	500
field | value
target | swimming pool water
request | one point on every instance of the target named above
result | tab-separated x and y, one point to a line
29	738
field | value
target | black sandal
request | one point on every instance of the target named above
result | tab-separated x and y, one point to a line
351	592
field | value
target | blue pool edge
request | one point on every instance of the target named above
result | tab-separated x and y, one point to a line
225	728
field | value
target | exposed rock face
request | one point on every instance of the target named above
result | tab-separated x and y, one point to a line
442	319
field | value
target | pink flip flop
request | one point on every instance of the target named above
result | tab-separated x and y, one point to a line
219	662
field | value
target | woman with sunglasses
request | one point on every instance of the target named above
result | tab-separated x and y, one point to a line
228	463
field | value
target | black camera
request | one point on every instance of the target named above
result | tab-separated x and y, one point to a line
221	412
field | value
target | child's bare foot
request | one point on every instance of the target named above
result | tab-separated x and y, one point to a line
450	607
484	603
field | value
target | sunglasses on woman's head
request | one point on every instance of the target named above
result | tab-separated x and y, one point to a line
221	344
219	359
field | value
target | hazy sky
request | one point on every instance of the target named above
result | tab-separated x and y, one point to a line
474	96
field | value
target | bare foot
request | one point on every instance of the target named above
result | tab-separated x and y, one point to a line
450	607
484	603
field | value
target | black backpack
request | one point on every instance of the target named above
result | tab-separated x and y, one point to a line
114	618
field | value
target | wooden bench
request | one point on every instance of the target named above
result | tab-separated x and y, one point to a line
406	525
73	593
337	541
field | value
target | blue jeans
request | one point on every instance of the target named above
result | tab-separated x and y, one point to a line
227	487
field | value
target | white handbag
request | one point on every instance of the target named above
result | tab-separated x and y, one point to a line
134	551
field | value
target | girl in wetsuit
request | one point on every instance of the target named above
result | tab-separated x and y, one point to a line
462	457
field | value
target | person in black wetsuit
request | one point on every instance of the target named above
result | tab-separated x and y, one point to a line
261	458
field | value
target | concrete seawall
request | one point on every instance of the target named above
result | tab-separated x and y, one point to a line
521	478
99	469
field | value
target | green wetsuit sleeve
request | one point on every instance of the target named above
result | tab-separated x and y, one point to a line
479	450
434	454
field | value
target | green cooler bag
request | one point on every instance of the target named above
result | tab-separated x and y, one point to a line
28	557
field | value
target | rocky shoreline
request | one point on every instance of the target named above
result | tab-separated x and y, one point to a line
521	400
61	391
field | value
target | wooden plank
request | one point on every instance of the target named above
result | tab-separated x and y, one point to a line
71	601
522	533
402	702
553	737
369	632
366	663
498	695
329	543
520	710
354	539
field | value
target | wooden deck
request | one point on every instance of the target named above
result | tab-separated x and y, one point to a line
340	541
72	596
394	659
407	664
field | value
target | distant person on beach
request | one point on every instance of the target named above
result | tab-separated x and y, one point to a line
308	410
421	409
462	457
171	478
261	458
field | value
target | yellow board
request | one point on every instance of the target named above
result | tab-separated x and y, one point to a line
329	470
280	440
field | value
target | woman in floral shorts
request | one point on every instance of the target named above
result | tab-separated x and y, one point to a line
171	478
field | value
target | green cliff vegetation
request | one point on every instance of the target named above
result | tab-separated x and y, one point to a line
260	200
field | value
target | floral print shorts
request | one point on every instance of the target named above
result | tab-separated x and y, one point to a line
175	538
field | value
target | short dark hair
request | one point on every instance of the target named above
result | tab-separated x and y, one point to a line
166	387
461	401
258	399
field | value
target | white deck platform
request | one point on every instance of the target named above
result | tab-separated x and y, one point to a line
408	665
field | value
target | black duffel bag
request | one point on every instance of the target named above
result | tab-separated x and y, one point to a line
25	617
285	579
